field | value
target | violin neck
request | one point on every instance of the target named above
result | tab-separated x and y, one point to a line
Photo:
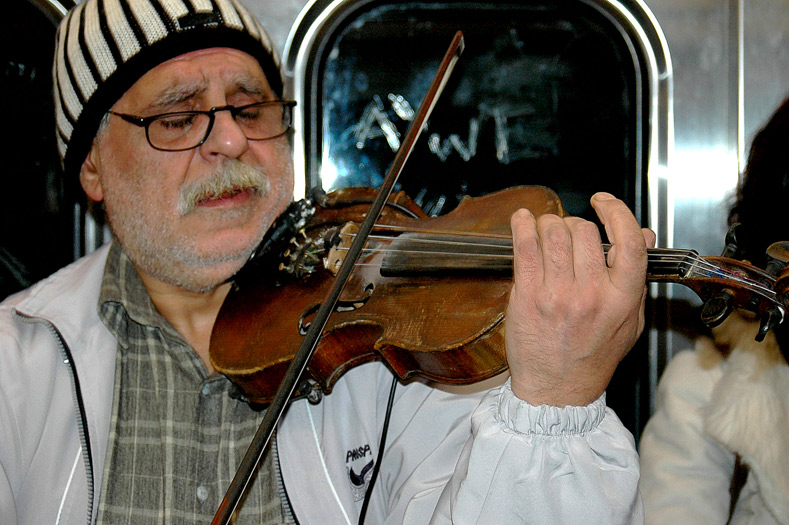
439	254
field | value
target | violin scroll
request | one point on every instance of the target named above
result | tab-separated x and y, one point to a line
763	293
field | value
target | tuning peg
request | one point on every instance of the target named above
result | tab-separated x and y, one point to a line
717	308
777	257
771	318
732	248
777	261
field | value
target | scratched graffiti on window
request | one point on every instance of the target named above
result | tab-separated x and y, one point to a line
511	126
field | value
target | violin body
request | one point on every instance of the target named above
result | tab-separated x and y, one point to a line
428	294
438	325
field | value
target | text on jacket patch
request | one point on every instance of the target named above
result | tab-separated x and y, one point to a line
356	453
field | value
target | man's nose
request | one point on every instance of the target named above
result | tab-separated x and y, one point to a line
226	138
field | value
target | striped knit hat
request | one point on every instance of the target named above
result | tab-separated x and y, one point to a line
104	46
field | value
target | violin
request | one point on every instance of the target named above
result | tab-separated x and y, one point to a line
427	295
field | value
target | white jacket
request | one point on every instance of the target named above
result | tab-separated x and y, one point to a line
483	457
709	408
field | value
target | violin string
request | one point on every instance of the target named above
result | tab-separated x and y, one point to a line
439	241
663	256
663	251
661	264
665	259
441	232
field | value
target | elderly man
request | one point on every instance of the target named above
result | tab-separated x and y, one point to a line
170	115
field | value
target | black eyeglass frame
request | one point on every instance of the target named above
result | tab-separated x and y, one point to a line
145	122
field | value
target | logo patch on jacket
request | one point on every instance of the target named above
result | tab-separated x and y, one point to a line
359	464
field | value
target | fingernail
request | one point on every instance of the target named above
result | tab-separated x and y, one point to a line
603	196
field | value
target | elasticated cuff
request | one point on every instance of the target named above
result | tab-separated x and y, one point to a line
524	418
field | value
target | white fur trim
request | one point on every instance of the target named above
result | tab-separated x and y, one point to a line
749	411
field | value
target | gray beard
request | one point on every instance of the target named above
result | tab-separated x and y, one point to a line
174	260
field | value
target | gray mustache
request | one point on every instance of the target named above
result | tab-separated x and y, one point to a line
232	177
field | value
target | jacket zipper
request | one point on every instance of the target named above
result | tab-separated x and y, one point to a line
82	420
283	493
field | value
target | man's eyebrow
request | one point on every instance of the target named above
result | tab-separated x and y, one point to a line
174	96
250	86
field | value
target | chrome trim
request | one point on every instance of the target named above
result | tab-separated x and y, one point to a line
53	9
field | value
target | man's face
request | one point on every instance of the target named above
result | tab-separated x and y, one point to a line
198	246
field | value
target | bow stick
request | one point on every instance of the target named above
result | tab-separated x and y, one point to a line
287	387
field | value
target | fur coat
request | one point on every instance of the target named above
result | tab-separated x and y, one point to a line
729	397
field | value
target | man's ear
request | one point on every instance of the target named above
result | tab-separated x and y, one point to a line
89	177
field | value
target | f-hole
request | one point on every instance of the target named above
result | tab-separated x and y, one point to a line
342	306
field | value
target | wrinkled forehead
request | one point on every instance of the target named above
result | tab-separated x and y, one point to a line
199	74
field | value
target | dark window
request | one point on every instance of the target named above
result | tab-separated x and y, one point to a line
544	94
36	225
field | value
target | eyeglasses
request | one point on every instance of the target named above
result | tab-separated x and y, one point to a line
183	130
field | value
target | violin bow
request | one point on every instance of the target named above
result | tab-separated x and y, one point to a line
287	387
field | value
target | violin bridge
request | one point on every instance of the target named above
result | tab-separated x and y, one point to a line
340	245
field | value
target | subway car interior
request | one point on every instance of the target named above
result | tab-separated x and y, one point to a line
654	101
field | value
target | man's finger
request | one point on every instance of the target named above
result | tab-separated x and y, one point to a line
526	248
588	260
627	257
557	249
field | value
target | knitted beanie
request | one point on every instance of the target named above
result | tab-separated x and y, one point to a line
104	46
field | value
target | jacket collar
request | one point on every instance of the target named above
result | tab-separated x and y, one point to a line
68	298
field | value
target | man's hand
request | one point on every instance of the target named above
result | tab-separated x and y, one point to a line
571	316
